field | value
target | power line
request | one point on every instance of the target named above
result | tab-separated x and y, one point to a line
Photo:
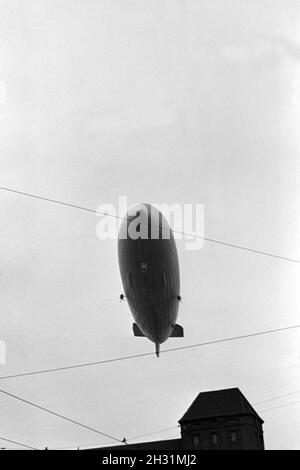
124	358
106	444
174	427
177	426
212	240
18	443
76	446
59	415
152	433
257	403
232	338
279	406
276	398
56	201
244	248
127	439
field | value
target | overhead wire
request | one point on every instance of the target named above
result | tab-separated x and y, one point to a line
193	235
77	446
280	406
134	356
174	427
18	443
152	433
277	397
73	421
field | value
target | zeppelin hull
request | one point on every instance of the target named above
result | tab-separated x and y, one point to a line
150	275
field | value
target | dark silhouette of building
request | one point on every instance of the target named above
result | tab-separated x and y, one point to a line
221	419
216	420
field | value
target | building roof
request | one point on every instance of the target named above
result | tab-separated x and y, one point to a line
169	444
219	403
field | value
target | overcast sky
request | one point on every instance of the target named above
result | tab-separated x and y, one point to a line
163	101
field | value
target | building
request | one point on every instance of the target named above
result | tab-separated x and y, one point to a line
221	420
216	420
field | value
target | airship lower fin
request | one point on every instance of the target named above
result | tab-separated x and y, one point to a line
157	348
136	330
177	332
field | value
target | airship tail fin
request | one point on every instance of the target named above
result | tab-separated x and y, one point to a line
177	332
157	348
136	330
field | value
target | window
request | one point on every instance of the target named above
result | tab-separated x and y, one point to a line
196	441
214	438
144	267
164	279
232	437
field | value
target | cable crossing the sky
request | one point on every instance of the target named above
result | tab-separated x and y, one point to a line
134	356
95	211
58	415
18	443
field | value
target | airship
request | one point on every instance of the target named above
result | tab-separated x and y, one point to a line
149	268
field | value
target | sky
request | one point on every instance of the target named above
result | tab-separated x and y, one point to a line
163	101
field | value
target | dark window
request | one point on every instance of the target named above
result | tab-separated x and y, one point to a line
144	267
164	279
196	441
